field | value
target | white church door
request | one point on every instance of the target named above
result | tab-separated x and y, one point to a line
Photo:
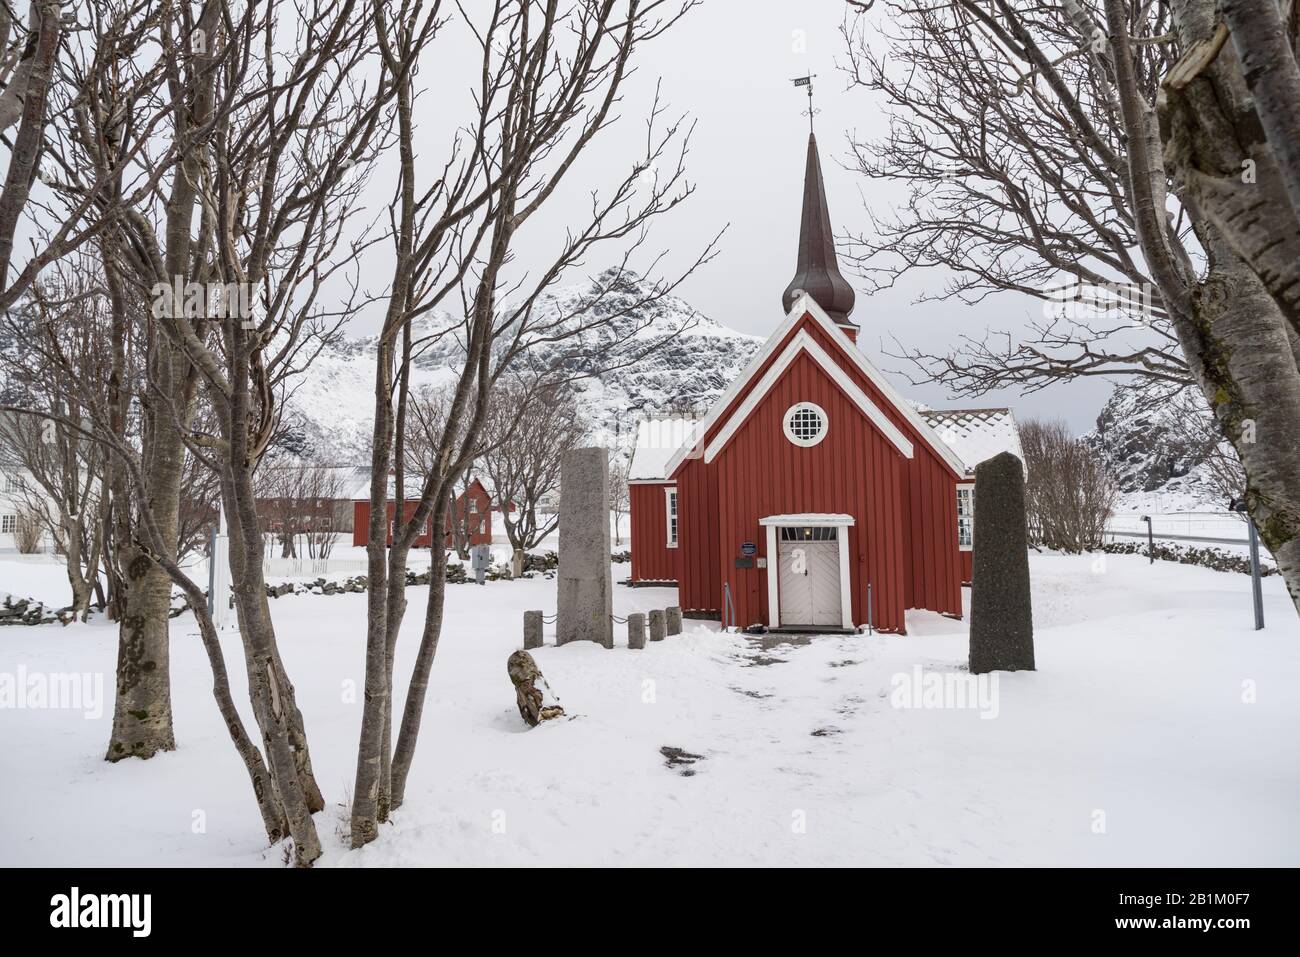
809	578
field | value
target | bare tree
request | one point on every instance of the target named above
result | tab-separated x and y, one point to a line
1069	495
297	503
549	79
620	501
525	436
268	156
63	486
1106	158
28	530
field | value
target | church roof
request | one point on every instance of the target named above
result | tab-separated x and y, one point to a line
818	270
976	434
807	305
656	441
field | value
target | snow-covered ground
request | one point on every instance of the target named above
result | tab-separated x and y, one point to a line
1158	730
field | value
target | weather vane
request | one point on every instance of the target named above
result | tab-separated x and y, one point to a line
811	111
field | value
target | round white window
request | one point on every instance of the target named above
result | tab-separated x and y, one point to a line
805	424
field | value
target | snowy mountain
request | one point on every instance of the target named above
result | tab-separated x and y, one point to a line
661	356
658	355
1158	441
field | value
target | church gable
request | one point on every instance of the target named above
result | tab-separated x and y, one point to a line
807	319
803	367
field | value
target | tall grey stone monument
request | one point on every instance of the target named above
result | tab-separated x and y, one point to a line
1001	616
585	602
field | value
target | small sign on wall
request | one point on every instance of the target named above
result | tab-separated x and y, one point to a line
748	548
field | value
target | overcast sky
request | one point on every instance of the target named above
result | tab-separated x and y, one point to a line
730	63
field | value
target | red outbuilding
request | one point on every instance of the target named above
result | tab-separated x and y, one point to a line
472	513
813	495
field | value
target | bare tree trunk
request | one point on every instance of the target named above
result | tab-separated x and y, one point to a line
25	154
398	556
142	714
1239	337
417	690
1248	376
386	597
268	684
1269	68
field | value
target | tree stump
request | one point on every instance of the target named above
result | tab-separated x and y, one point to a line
636	630
537	703
1001	615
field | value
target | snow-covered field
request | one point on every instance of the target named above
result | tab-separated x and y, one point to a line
1158	730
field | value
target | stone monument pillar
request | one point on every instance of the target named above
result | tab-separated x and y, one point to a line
1001	616
585	600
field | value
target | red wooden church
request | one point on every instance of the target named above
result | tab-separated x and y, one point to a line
812	496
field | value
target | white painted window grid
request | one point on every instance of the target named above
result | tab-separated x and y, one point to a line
966	517
670	512
805	424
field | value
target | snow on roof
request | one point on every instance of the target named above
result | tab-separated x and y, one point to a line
656	441
975	434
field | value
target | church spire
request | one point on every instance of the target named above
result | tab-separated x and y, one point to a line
818	271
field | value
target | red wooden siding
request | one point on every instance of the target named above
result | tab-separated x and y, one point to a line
919	501
700	586
480	518
652	559
854	470
361	523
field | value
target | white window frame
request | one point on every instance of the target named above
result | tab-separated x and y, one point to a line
672	518
969	488
8	524
800	407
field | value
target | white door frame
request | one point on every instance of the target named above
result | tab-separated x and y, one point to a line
816	520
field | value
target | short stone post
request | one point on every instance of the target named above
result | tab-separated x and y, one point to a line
1001	616
586	588
636	630
673	618
657	625
532	630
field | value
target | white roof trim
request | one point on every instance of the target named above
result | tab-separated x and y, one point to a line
807	518
806	304
805	343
